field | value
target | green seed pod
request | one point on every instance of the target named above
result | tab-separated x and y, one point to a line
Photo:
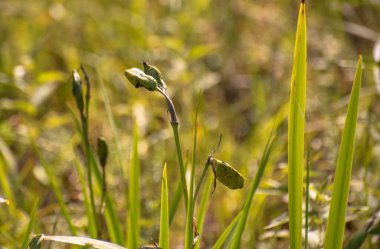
155	73
77	90
102	151
139	79
226	174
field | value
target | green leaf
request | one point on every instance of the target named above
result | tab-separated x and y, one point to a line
296	132
164	217
32	219
203	207
189	238
338	206
255	184
133	225
55	186
229	231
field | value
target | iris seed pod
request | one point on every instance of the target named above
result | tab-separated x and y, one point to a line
155	73
77	90
226	174
139	79
102	151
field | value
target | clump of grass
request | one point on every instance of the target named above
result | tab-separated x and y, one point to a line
152	80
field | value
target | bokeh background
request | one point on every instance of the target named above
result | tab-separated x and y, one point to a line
234	57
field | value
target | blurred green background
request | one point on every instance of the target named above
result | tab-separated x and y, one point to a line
234	56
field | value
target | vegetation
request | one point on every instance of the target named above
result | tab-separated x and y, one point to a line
111	114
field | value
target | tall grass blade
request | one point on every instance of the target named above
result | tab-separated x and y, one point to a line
92	229
175	202
307	198
32	220
133	225
6	186
296	132
164	217
190	207
203	207
255	184
180	161
338	206
55	186
229	231
112	219
81	241
176	199
113	126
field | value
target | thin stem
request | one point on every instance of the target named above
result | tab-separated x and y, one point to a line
84	118
174	124
201	180
173	114
180	161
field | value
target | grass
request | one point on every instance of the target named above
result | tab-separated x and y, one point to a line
337	215
296	130
55	185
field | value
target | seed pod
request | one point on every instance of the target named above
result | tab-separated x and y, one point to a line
226	174
155	73
77	90
139	79
102	151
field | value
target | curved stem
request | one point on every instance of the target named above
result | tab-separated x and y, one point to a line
173	114
174	124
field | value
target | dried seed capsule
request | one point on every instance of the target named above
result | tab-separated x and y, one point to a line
102	151
139	79
155	73
226	174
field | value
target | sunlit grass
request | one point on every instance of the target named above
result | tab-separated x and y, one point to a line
337	215
296	132
237	58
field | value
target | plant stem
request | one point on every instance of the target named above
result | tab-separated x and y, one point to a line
84	119
174	124
201	180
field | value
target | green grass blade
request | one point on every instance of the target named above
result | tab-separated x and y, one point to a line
203	207
164	217
190	207
255	184
32	220
112	219
180	161
92	229
338	206
176	199
55	186
133	226
227	232
111	120
6	186
307	198
296	132
175	202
